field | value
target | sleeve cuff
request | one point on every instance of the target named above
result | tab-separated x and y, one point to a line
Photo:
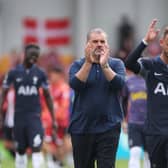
76	83
117	82
145	42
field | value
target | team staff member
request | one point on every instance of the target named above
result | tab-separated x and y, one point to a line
96	115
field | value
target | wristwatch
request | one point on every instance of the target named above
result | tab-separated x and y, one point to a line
105	66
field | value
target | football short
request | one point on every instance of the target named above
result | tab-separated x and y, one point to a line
61	131
136	136
28	134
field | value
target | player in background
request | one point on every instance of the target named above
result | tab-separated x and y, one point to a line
27	78
134	102
60	92
155	73
9	121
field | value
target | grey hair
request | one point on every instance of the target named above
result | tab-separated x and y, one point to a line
95	30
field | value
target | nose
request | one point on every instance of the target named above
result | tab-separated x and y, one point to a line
99	44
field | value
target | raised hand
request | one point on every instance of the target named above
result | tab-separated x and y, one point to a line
152	32
89	53
104	55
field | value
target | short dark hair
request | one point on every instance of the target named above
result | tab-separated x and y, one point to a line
165	32
28	46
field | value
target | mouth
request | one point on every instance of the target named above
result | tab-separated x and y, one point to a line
98	51
32	60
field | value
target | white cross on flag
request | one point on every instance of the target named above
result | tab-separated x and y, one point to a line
48	33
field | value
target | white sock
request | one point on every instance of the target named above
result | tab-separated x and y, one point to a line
146	161
50	161
69	159
21	161
37	160
135	155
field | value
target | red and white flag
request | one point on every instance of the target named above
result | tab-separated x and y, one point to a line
50	33
30	26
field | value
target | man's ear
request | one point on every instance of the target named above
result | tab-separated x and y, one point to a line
161	42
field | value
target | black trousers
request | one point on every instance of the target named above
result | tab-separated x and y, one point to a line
157	147
100	147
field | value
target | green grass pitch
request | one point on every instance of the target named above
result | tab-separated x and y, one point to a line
10	164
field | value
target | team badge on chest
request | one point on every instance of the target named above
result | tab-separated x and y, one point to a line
35	79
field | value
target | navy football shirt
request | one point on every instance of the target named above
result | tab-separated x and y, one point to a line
26	83
155	73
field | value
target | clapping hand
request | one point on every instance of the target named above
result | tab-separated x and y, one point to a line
89	54
152	32
104	55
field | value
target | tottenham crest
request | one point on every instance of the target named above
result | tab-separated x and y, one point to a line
35	79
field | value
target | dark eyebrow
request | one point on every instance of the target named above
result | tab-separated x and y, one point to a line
95	41
102	41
